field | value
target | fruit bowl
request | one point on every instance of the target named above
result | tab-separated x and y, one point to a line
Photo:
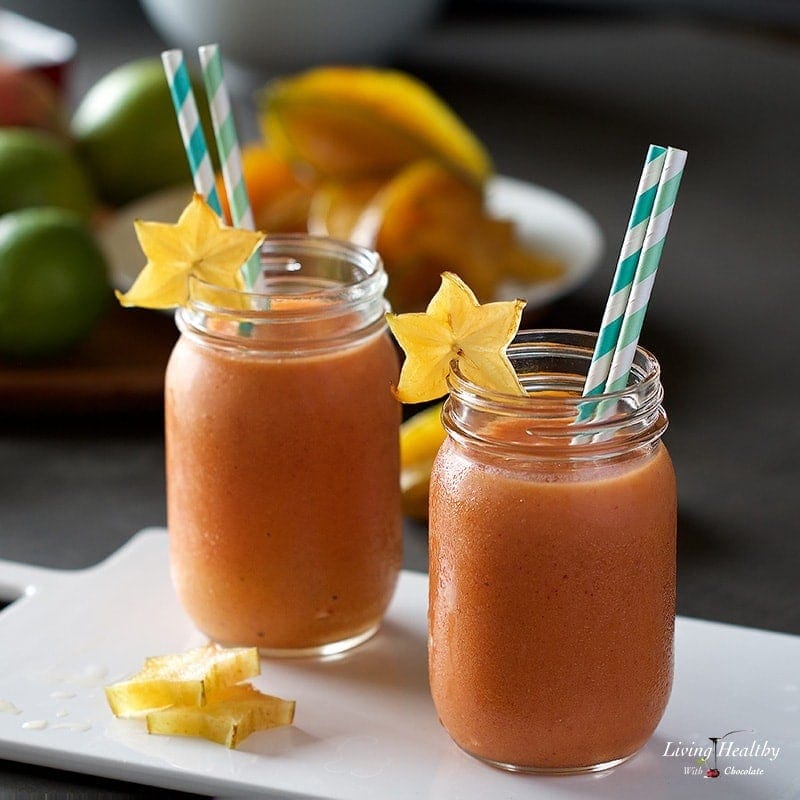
546	221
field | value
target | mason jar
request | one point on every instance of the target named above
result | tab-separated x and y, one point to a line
552	563
283	498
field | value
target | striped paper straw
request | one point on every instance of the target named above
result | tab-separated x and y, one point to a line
623	277
646	270
180	89
228	148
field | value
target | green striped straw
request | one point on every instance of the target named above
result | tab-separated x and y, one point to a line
180	89
623	277
646	270
229	153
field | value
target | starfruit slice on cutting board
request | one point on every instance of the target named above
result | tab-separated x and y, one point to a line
190	678
233	714
354	122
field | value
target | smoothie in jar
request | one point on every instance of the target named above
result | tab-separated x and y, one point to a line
282	454
552	566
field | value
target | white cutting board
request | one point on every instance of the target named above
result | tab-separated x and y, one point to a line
365	725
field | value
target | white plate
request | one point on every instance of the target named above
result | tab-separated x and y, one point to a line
548	222
365	727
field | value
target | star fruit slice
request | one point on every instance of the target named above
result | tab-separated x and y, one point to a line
235	713
421	436
337	207
355	122
422	220
200	245
429	219
455	327
190	678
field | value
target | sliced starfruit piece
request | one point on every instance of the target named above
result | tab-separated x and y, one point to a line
354	122
190	678
336	209
426	219
455	327
235	713
424	222
279	195
199	245
421	436
516	261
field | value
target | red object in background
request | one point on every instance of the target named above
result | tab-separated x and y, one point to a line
32	47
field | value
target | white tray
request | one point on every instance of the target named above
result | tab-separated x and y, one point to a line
365	724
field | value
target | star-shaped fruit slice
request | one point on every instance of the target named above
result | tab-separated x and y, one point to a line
455	326
188	678
199	244
229	718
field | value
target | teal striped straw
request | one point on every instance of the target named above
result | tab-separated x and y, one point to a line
646	270
194	141
229	152
623	277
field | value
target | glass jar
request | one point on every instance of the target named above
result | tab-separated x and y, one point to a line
283	498
552	564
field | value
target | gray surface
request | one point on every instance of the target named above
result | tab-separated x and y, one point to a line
571	105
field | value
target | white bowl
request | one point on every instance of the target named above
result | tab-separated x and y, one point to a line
272	36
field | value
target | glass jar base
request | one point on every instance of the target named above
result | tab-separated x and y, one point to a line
320	650
532	770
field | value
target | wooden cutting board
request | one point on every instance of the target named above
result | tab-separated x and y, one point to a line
119	367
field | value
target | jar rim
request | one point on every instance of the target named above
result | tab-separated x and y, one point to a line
523	346
314	293
275	303
616	421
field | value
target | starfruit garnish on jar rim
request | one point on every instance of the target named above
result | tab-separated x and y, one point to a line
456	327
200	245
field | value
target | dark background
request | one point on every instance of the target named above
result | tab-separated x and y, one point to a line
568	99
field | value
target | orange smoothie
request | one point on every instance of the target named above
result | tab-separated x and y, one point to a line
552	587
572	578
282	479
